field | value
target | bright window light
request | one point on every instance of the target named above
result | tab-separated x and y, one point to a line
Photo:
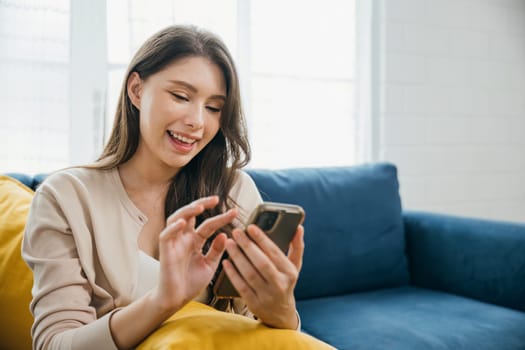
296	61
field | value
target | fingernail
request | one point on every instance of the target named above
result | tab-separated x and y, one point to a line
252	230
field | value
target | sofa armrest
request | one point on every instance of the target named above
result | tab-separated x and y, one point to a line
476	258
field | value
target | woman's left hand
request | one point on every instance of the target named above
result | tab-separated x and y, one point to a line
264	276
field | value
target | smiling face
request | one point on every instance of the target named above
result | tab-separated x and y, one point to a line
180	109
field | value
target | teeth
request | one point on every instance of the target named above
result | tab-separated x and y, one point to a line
181	138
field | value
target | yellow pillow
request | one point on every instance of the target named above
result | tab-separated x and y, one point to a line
199	326
16	278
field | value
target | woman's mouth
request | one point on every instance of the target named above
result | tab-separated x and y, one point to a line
181	143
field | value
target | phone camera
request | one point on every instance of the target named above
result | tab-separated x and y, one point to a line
266	220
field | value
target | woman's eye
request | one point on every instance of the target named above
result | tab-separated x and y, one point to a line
213	109
180	97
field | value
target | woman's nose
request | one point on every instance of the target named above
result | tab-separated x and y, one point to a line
195	117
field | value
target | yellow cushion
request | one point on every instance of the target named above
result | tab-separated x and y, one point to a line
199	326
16	278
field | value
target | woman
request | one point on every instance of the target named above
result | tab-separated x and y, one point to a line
118	246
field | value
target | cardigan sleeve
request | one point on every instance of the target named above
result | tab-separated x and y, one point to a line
63	315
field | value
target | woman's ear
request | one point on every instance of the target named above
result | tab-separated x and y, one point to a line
134	87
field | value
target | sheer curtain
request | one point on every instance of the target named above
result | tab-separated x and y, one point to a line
34	93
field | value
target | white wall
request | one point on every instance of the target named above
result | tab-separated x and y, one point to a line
452	104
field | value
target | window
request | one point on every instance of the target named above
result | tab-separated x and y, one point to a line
302	83
34	94
296	62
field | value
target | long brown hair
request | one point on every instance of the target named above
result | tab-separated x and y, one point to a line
213	170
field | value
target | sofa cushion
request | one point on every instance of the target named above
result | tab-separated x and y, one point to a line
362	246
412	318
16	277
198	326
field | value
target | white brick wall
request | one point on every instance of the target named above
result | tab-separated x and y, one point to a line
452	104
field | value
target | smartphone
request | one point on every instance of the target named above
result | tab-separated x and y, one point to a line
279	221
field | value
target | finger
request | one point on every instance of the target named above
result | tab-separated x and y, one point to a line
249	272
210	225
190	223
216	250
170	233
172	229
255	255
270	249
245	291
296	250
193	209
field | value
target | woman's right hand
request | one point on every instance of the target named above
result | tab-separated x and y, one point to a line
184	270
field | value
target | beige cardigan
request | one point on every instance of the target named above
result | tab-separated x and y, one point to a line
81	243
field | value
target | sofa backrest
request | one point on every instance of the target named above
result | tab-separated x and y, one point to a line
354	234
30	181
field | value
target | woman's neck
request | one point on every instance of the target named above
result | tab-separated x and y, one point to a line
138	177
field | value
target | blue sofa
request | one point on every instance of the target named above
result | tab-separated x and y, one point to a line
377	277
